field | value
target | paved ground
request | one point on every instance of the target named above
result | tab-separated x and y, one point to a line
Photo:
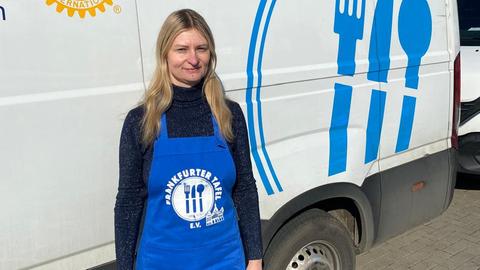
451	241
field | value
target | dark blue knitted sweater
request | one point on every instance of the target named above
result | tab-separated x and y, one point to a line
189	115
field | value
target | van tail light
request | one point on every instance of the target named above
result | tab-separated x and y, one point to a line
456	101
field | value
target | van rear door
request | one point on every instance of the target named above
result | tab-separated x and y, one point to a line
417	114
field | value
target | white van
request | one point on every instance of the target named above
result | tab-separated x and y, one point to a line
469	131
352	113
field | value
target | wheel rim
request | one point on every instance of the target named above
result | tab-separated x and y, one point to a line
317	255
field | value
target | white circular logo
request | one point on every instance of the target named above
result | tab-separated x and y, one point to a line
193	198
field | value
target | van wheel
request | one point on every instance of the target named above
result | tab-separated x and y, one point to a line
312	241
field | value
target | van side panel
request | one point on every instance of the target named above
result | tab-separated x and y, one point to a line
65	88
415	180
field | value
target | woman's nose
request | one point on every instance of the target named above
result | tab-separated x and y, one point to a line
193	58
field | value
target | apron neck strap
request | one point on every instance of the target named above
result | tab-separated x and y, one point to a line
216	128
163	127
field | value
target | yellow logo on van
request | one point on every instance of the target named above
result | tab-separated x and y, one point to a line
82	7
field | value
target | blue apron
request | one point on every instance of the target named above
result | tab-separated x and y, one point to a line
190	220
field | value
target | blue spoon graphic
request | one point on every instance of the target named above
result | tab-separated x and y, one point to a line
415	34
200	189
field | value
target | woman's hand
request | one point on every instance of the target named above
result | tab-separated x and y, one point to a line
254	265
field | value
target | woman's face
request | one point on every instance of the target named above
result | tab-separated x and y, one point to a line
188	58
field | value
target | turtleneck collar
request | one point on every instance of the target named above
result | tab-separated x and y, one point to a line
183	94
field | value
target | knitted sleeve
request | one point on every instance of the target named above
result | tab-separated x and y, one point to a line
131	191
245	194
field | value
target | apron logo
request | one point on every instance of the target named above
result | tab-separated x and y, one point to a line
193	194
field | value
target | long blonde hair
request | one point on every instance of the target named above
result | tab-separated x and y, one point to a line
158	97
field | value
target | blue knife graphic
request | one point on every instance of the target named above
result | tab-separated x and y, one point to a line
194	194
380	39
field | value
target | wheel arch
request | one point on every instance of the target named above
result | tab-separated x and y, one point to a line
322	197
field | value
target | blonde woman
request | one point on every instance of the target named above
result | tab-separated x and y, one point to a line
187	197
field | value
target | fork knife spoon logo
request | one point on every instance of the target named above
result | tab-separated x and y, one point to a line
191	195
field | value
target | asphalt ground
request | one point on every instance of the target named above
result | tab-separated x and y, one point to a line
450	241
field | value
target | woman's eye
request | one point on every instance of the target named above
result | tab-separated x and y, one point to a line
181	50
202	49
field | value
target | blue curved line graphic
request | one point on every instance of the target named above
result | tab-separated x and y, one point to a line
248	98
258	99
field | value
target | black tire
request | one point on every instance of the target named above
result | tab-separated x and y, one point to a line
316	239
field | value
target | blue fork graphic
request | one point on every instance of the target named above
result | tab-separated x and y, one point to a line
349	28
